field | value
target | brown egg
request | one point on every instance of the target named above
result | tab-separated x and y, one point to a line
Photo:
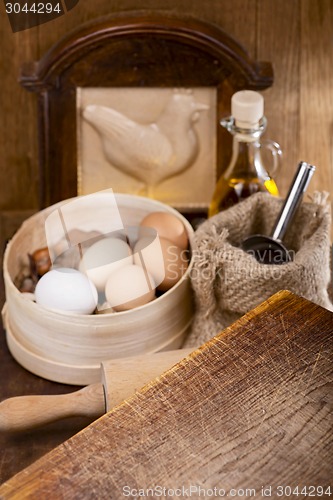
41	259
166	267
168	226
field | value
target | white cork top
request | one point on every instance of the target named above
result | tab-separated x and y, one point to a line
247	108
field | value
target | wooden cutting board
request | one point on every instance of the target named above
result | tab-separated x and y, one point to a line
250	409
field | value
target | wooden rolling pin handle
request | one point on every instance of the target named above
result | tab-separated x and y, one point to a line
122	377
23	412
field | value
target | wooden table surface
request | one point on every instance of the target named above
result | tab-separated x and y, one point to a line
250	409
19	451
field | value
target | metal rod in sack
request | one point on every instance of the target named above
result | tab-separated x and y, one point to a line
270	249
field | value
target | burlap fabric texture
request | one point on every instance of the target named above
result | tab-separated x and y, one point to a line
228	282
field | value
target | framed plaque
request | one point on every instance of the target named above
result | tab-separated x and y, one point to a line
161	83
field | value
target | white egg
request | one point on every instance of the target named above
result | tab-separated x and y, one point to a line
104	257
66	290
128	287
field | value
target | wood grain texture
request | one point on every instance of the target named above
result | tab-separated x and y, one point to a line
18	144
280	45
316	97
252	407
297	38
229	16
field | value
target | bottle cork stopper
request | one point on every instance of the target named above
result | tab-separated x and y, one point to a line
247	108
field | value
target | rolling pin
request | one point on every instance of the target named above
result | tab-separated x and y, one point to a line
121	378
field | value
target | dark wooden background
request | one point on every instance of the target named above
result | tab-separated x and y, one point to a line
295	35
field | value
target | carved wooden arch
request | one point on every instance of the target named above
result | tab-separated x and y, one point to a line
133	49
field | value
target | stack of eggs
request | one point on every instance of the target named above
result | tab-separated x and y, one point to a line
116	275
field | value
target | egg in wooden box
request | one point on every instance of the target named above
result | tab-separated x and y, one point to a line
68	348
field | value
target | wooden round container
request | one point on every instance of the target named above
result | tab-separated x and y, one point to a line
68	348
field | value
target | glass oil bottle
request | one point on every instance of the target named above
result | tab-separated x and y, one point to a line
246	173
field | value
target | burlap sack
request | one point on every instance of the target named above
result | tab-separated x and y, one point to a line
228	282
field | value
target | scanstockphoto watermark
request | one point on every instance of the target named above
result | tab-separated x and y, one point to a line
274	256
25	14
221	265
195	491
198	491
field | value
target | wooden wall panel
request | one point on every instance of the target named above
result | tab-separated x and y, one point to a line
316	89
295	35
18	145
278	41
230	16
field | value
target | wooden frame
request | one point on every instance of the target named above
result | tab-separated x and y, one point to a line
135	49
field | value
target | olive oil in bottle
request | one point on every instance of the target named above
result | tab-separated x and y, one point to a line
246	173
